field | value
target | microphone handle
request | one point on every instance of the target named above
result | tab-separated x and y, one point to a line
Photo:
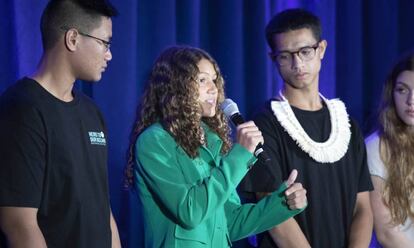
237	119
259	152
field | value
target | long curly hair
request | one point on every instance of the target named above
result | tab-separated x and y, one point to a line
396	149
171	98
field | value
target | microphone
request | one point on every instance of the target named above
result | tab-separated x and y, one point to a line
232	112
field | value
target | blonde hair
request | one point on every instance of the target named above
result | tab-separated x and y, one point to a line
396	147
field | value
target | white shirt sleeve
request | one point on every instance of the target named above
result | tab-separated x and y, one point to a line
375	164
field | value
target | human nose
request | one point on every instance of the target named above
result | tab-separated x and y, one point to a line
296	60
410	99
108	55
212	88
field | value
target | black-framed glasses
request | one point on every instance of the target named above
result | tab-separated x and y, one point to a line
306	53
105	43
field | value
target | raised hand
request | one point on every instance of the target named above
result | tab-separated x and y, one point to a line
295	193
249	135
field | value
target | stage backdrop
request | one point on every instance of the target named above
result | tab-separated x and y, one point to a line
364	37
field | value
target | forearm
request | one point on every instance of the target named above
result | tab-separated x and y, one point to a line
393	242
116	242
193	200
388	235
391	237
362	225
21	228
28	236
361	231
289	234
247	219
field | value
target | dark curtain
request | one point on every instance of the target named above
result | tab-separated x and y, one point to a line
364	38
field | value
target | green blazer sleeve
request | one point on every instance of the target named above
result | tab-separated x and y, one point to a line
247	219
160	162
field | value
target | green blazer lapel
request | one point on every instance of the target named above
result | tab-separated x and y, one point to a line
213	147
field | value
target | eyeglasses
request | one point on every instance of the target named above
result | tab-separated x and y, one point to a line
105	43
306	53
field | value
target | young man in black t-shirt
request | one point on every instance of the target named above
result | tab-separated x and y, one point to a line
303	130
53	153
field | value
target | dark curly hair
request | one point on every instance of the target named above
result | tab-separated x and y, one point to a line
171	98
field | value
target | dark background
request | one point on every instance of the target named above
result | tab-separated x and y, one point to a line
364	39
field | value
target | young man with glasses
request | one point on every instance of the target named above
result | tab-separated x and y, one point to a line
305	131
53	167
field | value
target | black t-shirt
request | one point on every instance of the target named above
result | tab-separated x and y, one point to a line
54	158
331	187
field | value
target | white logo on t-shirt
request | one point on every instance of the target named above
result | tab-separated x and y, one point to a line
97	138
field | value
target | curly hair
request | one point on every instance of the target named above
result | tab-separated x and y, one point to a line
171	98
396	144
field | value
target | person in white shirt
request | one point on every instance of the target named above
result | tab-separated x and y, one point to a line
391	159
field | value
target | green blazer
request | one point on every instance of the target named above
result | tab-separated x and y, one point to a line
193	202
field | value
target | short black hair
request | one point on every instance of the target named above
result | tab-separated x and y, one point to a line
84	15
293	19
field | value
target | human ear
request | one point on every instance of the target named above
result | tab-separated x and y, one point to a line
322	48
71	39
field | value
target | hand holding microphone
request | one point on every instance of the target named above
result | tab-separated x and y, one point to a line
248	134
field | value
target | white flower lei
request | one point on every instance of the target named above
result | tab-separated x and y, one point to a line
329	151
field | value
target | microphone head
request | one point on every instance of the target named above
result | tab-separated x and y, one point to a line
229	107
